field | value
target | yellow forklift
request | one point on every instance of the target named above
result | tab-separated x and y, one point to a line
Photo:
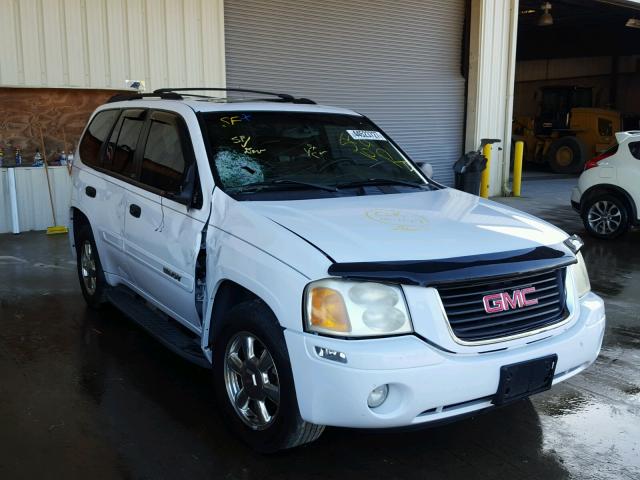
568	130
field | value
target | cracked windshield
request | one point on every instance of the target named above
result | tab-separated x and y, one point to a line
255	151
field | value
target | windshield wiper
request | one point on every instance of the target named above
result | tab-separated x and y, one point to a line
257	186
380	181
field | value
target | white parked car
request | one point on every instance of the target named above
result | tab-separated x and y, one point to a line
296	251
608	191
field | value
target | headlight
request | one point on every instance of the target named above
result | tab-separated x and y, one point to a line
581	277
355	309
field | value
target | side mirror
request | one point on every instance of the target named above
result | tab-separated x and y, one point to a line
187	189
426	168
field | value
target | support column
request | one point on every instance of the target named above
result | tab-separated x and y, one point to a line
13	200
492	54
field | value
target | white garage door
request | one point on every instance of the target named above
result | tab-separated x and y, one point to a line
396	62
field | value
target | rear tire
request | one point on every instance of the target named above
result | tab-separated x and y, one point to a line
606	216
567	155
90	274
254	384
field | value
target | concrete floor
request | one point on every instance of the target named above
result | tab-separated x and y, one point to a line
89	395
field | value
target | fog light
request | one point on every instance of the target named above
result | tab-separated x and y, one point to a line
377	396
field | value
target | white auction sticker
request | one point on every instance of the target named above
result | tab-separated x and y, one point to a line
366	135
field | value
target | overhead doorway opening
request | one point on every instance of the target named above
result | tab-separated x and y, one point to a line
577	80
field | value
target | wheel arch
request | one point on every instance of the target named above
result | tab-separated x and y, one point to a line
228	294
609	189
78	218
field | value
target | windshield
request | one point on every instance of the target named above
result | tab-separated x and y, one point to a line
305	151
561	100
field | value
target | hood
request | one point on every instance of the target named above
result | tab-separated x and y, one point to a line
429	225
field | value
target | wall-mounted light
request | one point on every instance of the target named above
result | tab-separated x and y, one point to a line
545	19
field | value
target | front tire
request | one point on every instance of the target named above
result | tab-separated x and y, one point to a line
254	382
605	216
90	274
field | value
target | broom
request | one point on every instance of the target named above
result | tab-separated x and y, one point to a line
55	229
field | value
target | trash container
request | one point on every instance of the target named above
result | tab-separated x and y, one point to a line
468	172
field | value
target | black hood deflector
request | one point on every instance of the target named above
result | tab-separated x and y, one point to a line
462	269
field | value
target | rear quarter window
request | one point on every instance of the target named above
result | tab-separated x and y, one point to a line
91	144
634	148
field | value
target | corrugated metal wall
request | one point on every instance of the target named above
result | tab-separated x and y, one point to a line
102	43
397	62
34	207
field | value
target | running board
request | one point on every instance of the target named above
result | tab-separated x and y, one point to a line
172	335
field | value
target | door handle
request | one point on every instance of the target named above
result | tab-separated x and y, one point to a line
90	191
135	210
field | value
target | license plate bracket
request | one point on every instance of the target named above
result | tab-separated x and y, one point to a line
520	380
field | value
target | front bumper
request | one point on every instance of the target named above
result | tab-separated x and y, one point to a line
425	383
575	198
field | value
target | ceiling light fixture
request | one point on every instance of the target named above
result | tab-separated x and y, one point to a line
633	23
545	19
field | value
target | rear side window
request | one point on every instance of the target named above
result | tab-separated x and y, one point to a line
634	148
95	136
164	163
121	149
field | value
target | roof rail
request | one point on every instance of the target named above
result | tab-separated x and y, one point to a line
283	97
175	94
121	97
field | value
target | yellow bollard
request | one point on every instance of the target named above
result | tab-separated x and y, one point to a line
517	168
484	180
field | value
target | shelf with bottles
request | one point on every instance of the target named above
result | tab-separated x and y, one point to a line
11	156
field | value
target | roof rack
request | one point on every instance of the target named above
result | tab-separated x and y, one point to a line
172	94
121	97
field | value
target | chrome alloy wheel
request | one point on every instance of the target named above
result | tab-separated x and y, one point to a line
88	267
604	217
252	382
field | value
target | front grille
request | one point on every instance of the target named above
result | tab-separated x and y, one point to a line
464	306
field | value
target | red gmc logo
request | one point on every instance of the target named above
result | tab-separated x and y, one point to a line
500	302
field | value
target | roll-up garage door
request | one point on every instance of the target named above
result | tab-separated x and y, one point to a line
396	62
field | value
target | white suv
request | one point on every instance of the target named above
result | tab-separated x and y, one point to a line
296	251
608	191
